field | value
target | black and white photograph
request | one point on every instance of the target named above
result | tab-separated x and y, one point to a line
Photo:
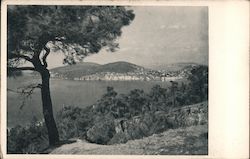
102	79
107	80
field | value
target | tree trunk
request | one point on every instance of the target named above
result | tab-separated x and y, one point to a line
47	108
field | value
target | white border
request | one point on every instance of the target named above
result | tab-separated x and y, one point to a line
228	76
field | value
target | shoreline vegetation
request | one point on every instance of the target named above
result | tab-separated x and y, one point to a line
119	118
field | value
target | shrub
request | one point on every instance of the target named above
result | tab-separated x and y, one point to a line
74	122
118	138
67	123
102	131
30	139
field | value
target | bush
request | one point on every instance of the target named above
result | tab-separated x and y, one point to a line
118	138
102	131
30	139
74	122
66	122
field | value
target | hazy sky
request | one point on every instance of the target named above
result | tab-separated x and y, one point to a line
158	35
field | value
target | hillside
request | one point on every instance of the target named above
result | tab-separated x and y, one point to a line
122	71
85	65
119	67
189	137
182	141
87	68
76	70
173	67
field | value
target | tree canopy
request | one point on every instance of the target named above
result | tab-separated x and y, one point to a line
76	30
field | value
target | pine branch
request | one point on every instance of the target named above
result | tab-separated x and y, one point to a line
26	92
21	68
12	56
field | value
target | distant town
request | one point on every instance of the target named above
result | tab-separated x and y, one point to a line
139	74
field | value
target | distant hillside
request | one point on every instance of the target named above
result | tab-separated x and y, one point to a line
119	67
173	67
93	71
84	67
87	68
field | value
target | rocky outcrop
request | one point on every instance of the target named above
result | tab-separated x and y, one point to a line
108	130
156	122
189	115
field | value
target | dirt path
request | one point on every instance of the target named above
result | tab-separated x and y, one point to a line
191	140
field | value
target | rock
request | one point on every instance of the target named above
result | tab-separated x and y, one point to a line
119	125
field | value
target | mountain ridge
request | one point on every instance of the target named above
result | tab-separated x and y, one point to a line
119	67
87	68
